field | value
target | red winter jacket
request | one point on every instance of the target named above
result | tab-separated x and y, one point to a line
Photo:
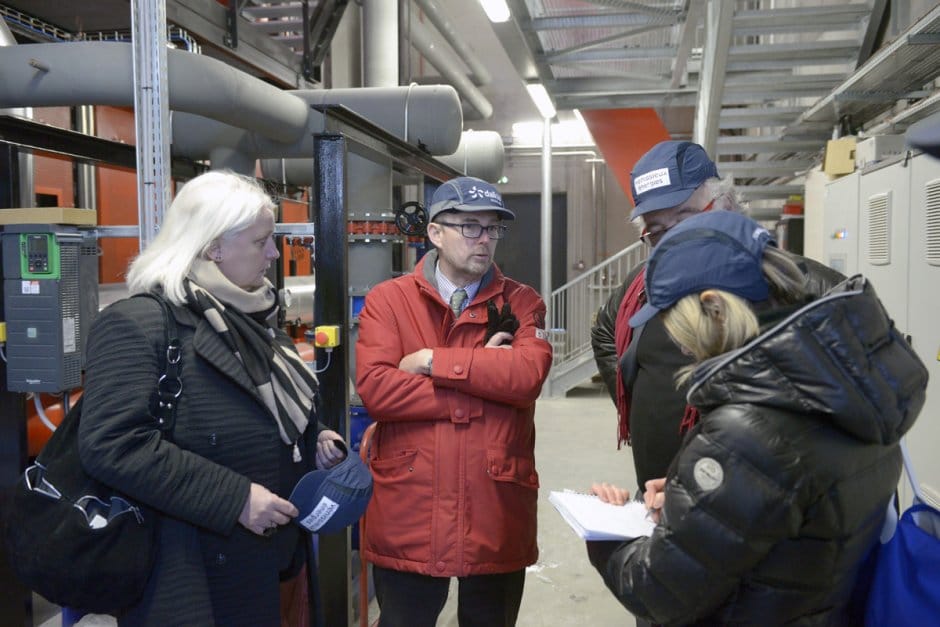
453	454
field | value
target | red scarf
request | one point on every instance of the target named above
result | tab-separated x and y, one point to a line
633	300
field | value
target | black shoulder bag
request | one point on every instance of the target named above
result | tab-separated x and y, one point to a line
74	540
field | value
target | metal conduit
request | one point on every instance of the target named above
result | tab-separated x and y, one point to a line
91	72
434	12
450	68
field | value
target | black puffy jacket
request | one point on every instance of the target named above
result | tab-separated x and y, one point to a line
657	406
779	493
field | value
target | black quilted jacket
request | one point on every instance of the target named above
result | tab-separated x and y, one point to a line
779	492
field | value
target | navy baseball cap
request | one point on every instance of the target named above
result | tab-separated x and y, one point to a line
667	175
712	250
925	135
468	193
331	500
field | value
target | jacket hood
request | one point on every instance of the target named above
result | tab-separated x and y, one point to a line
839	357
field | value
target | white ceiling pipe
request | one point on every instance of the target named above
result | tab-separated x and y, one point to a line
422	115
479	154
101	73
450	68
432	8
379	43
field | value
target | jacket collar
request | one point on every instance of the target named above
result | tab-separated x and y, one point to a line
490	285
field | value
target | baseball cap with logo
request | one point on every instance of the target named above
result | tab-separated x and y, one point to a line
332	499
713	250
468	193
667	175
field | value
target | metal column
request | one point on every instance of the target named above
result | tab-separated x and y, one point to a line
151	113
15	599
330	307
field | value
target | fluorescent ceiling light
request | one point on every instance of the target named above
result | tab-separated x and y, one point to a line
496	10
540	98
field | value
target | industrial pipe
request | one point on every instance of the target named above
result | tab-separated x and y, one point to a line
479	154
434	12
101	73
449	67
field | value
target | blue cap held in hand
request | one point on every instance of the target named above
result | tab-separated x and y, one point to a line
468	193
667	175
330	500
712	250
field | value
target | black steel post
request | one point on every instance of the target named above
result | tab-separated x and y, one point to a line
15	599
330	306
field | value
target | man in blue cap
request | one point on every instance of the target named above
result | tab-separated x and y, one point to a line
673	181
450	360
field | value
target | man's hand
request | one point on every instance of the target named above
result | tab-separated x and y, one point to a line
417	362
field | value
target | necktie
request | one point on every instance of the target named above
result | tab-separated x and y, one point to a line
457	299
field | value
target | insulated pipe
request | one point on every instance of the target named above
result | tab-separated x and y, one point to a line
434	12
90	72
449	67
430	115
422	115
479	154
379	43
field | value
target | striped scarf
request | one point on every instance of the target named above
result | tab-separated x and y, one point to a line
284	382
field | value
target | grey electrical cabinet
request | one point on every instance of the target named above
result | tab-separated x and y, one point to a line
50	296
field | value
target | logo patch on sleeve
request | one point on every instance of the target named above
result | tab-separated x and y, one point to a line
708	473
541	334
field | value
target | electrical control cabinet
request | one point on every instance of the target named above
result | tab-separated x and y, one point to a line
50	296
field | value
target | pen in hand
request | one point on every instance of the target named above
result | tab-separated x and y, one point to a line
654	497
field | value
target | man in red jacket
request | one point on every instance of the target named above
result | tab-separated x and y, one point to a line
450	360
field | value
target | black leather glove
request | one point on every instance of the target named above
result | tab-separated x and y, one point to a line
497	320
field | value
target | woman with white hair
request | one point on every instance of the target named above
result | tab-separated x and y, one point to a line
778	494
245	429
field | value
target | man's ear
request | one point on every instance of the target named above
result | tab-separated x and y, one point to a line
713	304
434	234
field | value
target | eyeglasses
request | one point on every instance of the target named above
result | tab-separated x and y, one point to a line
651	237
473	230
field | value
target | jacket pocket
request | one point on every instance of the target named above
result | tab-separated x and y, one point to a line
503	465
398	521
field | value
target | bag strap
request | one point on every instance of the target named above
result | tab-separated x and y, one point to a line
170	385
911	475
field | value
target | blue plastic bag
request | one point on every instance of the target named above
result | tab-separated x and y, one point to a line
905	588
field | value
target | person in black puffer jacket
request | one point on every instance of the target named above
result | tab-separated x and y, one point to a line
779	492
651	409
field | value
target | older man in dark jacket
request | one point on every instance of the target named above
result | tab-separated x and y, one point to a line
671	182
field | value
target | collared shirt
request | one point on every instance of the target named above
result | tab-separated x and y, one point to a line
446	287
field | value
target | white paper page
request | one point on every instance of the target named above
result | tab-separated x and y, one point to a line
592	519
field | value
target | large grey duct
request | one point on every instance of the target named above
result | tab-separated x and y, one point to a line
434	12
423	115
75	73
449	67
479	154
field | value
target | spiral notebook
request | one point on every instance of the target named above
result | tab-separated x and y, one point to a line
593	519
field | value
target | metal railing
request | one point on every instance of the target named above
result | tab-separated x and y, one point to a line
574	305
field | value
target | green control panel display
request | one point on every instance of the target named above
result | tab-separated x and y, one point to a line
39	256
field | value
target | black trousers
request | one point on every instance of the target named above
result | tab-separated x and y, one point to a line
413	600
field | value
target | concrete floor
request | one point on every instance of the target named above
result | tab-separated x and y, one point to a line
575	445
